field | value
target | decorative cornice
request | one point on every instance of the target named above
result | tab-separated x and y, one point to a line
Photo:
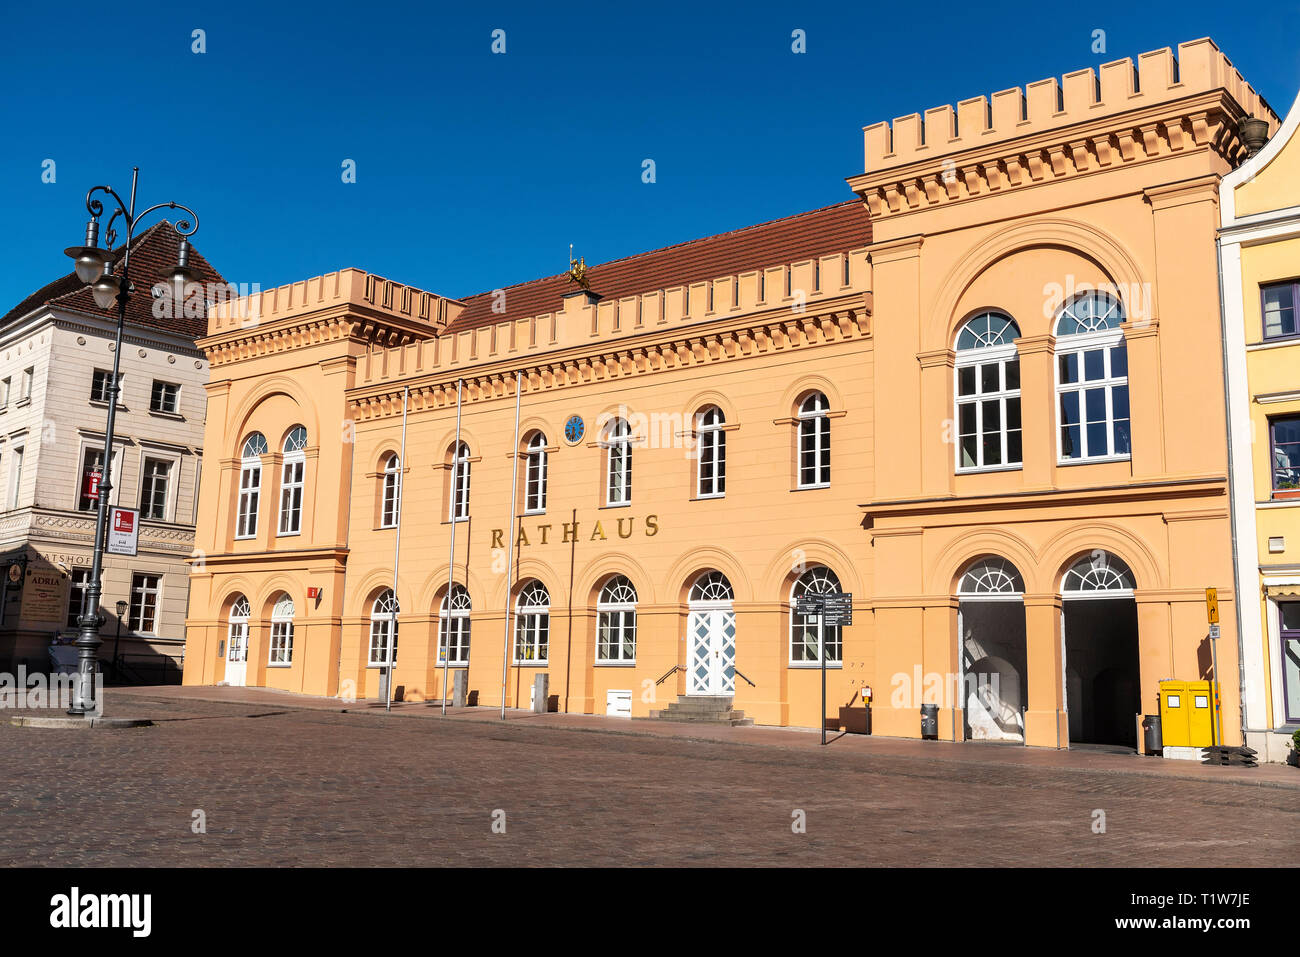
629	359
1206	121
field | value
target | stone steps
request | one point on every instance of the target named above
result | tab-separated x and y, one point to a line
692	709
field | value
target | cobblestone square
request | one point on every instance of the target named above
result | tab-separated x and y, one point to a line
285	786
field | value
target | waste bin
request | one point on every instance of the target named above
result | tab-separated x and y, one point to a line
930	722
1151	741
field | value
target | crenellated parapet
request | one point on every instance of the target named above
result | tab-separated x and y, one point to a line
1087	121
788	307
346	303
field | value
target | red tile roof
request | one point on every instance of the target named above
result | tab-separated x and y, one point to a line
821	232
153	256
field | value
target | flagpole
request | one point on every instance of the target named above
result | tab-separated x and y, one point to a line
451	564
397	553
510	564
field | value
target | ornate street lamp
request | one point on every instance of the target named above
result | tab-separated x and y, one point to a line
96	268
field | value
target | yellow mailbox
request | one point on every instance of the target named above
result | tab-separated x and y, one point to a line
1187	713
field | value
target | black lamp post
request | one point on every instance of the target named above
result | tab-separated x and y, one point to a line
95	267
121	611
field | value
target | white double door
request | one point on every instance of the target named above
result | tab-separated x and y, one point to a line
237	654
712	660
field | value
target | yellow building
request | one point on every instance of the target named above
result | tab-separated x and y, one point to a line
1259	255
985	398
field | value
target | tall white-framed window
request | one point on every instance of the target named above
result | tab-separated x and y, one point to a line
807	633
814	441
383	627
17	477
711	438
282	632
144	604
1092	398
291	476
535	465
250	485
618	462
459	505
390	492
532	624
153	489
986	387
616	622
454	626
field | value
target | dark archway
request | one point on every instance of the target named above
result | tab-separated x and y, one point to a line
1103	691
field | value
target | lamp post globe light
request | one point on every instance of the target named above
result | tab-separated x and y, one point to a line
109	276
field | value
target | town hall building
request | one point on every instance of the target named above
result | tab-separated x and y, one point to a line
983	396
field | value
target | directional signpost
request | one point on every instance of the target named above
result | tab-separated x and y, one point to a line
1212	613
832	610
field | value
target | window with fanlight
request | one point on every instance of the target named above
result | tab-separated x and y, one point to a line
383	629
250	485
532	624
987	389
1092	380
454	627
616	622
808	635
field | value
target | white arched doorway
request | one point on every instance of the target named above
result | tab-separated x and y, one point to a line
711	636
991	624
1099	618
237	643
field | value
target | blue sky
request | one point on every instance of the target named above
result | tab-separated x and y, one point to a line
477	170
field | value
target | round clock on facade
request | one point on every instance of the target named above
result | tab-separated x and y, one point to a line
574	429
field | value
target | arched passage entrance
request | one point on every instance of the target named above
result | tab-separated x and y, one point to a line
991	625
1102	690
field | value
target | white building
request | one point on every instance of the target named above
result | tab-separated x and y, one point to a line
56	361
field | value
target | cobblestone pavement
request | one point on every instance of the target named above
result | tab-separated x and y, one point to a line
292	786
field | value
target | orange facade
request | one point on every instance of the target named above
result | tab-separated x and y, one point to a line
985	398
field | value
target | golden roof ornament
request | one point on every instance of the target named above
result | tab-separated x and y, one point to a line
578	270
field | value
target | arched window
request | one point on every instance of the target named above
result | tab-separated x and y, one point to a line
1092	379
711	588
807	633
383	627
992	578
250	485
712	468
535	475
616	622
390	496
618	463
532	624
987	392
282	631
459	505
453	627
295	463
814	442
1098	574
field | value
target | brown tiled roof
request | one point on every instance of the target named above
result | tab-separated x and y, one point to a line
153	256
821	232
